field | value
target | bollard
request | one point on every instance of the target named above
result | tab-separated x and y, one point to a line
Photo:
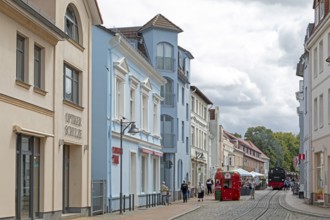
124	203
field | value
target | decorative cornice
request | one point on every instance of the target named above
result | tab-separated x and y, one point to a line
25	105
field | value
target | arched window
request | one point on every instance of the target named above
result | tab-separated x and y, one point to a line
164	59
71	24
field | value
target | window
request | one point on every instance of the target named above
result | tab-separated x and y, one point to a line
155	119
192	135
320	174
193	104
187	145
20	58
167	131
321	111
305	100
145	112
329	106
182	131
155	175
167	92
182	94
316	15
315	62
186	67
144	173
328	45
71	85
132	105
321	9
119	98
164	59
315	114
187	112
321	57
177	92
71	25
38	67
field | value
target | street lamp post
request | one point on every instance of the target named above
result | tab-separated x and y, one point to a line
133	130
198	156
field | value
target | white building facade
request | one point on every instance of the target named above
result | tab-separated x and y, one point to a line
200	133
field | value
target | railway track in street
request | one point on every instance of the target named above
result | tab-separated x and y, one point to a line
267	206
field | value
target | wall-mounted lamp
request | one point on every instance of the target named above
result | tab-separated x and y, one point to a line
60	142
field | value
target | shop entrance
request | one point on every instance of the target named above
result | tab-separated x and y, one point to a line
27	177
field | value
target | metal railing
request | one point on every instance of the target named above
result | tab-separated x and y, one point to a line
99	197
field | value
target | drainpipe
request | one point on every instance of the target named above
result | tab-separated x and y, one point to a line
109	68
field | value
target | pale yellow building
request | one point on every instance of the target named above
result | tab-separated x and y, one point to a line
45	105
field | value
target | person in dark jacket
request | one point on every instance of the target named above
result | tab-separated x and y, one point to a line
184	190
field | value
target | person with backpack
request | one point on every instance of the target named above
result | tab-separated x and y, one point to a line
184	190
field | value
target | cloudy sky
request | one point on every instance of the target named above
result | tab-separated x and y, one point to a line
245	52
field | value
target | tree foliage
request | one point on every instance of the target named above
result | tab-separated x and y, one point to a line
280	147
237	135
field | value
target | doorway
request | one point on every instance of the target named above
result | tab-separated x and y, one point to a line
66	179
27	177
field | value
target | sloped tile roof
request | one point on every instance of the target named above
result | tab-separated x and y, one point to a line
159	21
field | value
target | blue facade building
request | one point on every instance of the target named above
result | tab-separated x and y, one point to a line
158	41
126	91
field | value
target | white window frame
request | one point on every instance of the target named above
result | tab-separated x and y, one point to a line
134	82
22	52
321	62
321	111
144	173
120	71
315	114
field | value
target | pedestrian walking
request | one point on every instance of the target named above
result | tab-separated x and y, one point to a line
184	190
286	184
165	194
201	191
209	186
252	188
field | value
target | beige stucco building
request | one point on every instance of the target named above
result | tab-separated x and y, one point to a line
45	107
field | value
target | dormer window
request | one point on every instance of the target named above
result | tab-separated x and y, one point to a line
71	24
321	9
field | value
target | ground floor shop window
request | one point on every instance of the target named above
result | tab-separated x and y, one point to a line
27	177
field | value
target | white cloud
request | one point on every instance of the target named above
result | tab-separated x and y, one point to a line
245	52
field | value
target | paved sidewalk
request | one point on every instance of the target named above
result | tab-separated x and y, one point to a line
178	208
293	202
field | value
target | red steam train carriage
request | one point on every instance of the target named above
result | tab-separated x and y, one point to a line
276	177
229	185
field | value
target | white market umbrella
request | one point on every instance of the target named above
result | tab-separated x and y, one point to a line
243	172
254	174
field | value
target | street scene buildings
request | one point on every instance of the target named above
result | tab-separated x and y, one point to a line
94	119
314	108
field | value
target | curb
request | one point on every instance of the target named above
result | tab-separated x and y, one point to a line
285	205
184	213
